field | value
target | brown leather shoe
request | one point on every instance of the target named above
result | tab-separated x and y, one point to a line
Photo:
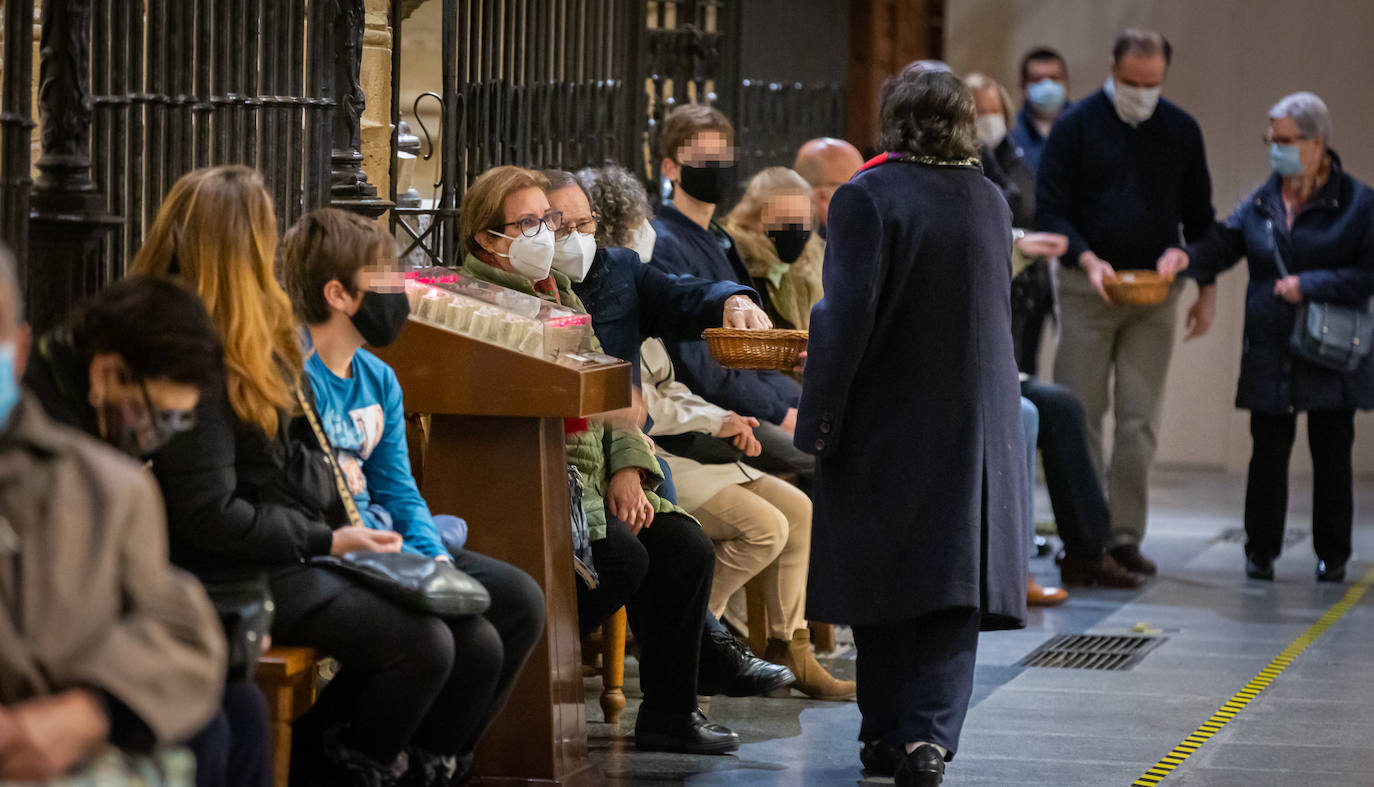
812	678
1101	571
1129	557
1040	596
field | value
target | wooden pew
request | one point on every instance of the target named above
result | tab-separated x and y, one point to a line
287	677
495	456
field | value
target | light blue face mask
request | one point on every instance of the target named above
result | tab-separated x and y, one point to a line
9	386
1284	160
1047	96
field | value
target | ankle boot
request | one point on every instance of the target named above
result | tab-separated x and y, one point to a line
812	678
347	767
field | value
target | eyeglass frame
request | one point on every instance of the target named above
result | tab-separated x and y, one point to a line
566	229
552	219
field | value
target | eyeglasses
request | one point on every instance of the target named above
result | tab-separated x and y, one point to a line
586	226
529	225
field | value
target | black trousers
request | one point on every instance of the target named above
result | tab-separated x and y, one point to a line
916	677
663	579
1331	435
234	749
407	678
1080	505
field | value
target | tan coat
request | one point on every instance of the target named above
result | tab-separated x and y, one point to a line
87	596
792	288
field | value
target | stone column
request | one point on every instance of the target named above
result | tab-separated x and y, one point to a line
350	186
376	84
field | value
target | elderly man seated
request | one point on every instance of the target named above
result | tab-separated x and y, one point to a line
103	645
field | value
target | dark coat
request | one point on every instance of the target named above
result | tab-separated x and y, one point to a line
1331	250
912	404
630	302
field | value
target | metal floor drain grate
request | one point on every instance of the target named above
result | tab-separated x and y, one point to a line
1091	651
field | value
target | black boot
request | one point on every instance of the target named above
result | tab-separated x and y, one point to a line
923	767
881	757
1330	572
428	769
1259	567
346	767
727	667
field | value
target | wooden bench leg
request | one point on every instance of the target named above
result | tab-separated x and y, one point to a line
823	637
613	666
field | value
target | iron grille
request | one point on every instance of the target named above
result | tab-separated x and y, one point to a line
1092	651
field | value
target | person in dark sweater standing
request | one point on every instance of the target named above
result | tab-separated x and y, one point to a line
1122	175
699	161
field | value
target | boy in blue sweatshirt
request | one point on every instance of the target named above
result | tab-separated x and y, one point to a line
339	269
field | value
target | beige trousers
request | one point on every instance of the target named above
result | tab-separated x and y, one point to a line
761	528
1117	356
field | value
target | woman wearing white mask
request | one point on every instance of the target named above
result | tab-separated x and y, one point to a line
650	556
1308	236
1003	161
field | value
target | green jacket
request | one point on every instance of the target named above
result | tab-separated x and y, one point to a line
597	452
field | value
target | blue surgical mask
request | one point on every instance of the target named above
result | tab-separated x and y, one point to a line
1047	96
1284	159
9	383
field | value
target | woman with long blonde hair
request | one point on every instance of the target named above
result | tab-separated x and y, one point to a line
771	227
245	499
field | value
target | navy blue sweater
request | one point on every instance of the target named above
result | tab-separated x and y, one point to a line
684	247
1123	191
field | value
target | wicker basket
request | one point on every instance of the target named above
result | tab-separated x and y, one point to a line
737	349
1137	288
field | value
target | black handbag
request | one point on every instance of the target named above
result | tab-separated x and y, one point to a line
1331	335
700	447
436	587
245	612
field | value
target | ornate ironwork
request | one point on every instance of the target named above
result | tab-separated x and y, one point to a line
15	128
349	186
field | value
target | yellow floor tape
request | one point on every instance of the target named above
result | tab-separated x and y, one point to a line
1260	682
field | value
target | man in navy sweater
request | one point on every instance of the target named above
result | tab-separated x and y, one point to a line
698	160
1123	176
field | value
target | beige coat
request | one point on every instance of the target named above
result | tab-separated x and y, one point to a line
87	597
792	288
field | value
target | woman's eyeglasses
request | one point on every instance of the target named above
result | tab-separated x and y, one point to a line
529	225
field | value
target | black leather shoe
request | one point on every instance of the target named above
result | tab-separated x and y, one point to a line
923	767
727	667
1327	572
881	758
1259	568
684	733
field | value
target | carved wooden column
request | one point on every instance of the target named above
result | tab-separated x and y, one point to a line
349	185
68	218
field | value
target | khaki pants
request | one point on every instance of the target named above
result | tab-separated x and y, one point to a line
761	528
1131	345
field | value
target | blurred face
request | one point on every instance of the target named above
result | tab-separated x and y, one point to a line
707	150
1040	70
838	165
521	211
1311	151
783	211
1138	70
138	416
987	101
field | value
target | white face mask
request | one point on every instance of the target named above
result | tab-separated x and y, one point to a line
642	241
1134	105
992	129
574	255
530	257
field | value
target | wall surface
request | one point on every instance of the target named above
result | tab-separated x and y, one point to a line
1232	60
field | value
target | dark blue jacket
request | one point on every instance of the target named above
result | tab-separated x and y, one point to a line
684	247
630	302
912	404
1123	191
1331	250
1027	137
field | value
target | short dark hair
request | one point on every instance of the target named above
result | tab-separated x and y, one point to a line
929	113
159	327
1041	54
324	245
1142	42
561	179
688	120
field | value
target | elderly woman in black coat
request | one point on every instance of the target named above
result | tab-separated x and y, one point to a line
1308	233
912	406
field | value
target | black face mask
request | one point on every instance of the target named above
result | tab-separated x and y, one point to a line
140	429
708	184
790	241
381	316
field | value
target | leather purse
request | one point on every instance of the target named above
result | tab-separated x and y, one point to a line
700	447
435	587
245	611
1331	335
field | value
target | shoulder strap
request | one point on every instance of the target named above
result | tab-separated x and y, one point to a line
1278	255
355	518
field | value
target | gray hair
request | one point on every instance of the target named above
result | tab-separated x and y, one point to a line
1308	111
12	299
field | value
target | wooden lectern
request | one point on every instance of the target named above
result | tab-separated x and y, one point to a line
495	457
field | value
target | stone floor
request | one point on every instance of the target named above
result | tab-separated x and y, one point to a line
1314	726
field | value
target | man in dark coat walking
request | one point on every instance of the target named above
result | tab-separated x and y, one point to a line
912	406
